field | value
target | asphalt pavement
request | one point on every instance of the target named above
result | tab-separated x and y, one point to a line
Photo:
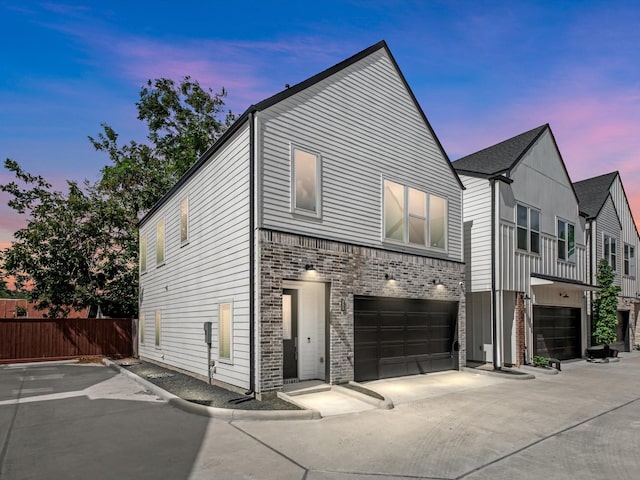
90	422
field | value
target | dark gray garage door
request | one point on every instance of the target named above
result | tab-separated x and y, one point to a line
396	337
556	331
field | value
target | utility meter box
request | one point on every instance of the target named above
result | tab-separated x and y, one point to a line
207	332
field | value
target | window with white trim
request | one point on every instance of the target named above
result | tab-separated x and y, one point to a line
141	328
610	254
184	221
414	217
566	235
225	327
158	331
143	253
629	260
527	229
160	246
305	184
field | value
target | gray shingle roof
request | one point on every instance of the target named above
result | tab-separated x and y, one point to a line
500	157
593	192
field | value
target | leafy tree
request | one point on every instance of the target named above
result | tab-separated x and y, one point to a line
605	306
80	247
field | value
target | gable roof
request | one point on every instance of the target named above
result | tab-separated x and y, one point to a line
501	157
593	193
288	92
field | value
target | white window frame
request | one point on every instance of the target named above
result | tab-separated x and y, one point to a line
222	359
530	231
141	328
610	255
144	252
406	216
629	260
158	329
566	251
184	219
317	213
159	262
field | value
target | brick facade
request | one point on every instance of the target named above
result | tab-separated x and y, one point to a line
349	270
521	339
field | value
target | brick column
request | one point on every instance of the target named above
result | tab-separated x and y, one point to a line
520	329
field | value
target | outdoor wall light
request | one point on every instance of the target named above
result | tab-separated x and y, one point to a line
526	297
564	294
389	276
437	282
309	267
343	305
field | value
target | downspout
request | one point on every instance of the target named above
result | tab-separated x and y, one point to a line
252	221
497	361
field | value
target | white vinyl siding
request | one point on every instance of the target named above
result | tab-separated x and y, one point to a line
363	121
214	267
477	233
629	235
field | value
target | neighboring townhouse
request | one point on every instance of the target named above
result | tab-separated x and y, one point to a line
612	234
524	252
321	236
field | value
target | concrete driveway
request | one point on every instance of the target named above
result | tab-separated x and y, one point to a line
583	423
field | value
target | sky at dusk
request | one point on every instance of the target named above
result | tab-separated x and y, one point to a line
483	71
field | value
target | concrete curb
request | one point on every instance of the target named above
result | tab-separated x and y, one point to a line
387	403
539	371
228	414
40	364
519	376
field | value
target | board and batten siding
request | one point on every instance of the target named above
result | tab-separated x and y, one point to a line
212	268
363	123
477	233
629	235
608	223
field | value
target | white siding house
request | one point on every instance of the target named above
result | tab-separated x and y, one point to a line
612	235
323	241
525	252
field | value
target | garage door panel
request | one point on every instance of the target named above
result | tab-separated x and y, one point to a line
413	336
557	332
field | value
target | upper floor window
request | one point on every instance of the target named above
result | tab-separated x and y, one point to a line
610	251
184	221
143	253
629	260
566	241
528	229
305	183
415	217
160	247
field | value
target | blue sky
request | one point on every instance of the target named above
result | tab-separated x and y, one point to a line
483	71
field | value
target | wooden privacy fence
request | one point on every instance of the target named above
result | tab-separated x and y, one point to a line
33	339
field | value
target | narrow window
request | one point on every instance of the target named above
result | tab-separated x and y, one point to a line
562	240
534	234
632	261
625	264
160	243
609	250
158	327
143	253
224	331
393	211
417	216
571	242
306	182
184	221
437	222
614	255
141	328
522	221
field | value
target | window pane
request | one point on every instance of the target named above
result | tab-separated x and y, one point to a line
522	216
184	220
606	249
522	238
286	317
306	181
417	203
562	230
393	211
562	250
158	328
614	258
632	261
143	253
417	230
437	221
535	242
535	220
225	331
160	242
571	234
